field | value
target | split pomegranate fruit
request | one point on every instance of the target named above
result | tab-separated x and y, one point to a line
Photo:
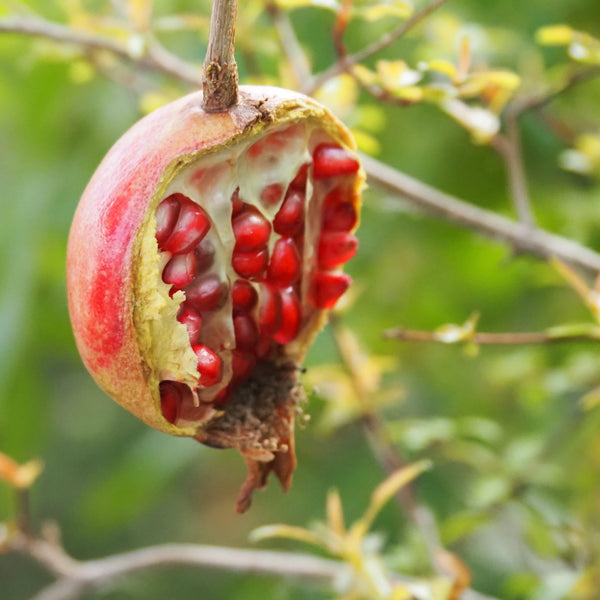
202	259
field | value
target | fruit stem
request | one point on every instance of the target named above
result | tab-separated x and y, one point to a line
220	85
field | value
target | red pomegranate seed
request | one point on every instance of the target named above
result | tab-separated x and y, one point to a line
263	349
251	230
246	332
205	255
191	226
166	217
242	365
206	293
170	399
222	397
336	248
180	270
243	295
271	194
286	265
250	264
338	213
209	365
291	310
332	161
290	218
192	321
269	312
327	287
237	205
299	182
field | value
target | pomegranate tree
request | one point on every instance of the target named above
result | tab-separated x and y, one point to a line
202	260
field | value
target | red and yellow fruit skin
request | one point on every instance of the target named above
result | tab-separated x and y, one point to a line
103	249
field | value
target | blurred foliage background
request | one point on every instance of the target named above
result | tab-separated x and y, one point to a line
515	485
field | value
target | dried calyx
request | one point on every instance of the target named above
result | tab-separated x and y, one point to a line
229	262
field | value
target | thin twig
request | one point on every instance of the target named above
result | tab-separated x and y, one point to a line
385	451
290	43
220	69
491	339
380	44
23	512
536	101
339	29
509	148
521	237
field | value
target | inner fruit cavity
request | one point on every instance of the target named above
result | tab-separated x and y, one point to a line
251	241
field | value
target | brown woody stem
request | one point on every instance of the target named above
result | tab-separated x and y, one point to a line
220	85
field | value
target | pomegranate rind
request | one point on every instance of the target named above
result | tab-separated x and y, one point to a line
104	249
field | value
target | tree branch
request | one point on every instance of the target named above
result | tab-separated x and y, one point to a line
346	62
75	577
521	237
509	148
155	57
518	338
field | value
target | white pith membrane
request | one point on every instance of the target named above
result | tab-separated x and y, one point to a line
272	158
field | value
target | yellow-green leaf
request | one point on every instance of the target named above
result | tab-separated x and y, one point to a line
554	35
384	492
442	66
286	531
335	513
480	122
329	4
591	400
400	9
396	74
452	334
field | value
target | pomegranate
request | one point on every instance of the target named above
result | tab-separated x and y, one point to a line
202	259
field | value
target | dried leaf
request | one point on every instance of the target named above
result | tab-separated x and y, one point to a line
19	476
454	567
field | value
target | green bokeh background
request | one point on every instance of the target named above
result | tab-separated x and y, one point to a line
112	484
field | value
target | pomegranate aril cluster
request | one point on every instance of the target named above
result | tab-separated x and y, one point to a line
251	265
